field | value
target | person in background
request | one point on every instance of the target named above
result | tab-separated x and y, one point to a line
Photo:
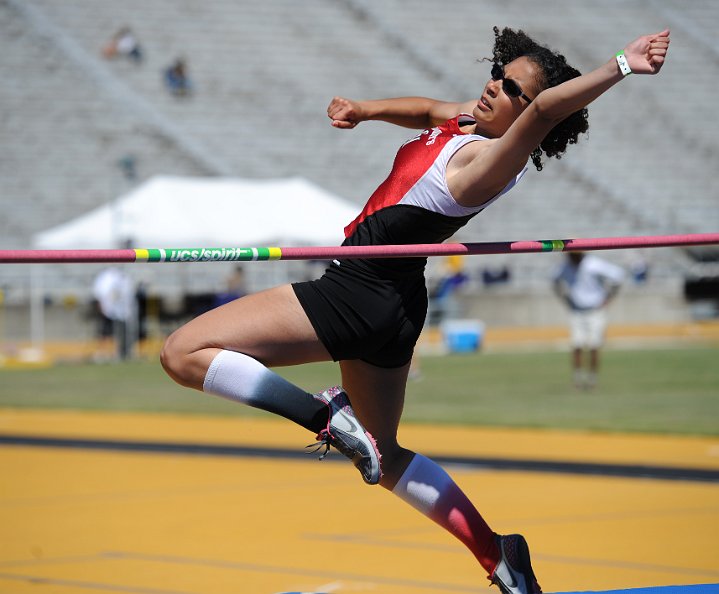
123	44
235	288
587	284
176	79
115	294
443	296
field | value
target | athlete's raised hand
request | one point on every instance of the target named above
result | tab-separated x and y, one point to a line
646	55
344	113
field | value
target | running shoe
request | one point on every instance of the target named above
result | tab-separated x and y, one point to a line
514	574
347	434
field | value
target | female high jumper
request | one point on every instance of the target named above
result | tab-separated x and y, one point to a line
368	314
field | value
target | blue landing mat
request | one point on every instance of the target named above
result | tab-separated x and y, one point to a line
695	589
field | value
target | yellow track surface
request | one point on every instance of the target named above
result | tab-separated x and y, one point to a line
90	521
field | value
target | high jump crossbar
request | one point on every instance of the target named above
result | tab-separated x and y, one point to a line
240	254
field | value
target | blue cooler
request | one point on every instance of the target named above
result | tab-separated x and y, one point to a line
462	336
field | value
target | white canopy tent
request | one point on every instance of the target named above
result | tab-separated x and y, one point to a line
172	212
176	212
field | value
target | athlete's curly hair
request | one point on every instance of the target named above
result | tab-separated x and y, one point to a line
510	45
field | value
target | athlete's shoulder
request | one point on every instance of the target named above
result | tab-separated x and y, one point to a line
454	125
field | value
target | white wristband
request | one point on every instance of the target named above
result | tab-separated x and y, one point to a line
623	64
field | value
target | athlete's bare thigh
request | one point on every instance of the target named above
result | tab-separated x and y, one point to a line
270	326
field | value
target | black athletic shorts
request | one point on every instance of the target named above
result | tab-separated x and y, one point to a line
359	315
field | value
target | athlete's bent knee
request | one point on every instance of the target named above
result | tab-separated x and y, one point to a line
173	360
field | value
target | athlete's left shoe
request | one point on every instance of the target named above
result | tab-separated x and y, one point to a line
346	433
514	574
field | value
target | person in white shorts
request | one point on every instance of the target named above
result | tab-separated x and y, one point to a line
587	284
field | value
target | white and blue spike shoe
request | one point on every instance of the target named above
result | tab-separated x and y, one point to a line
347	434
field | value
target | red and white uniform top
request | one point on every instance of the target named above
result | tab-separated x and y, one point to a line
414	204
418	177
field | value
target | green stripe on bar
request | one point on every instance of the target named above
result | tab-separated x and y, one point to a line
231	254
145	255
553	245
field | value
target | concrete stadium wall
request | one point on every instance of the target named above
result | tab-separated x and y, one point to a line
635	306
496	308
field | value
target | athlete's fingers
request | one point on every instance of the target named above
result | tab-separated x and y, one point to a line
657	51
344	113
338	103
335	105
343	124
647	54
661	36
656	62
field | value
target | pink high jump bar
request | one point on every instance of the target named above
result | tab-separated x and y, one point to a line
351	252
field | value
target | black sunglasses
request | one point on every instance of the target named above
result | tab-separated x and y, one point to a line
508	85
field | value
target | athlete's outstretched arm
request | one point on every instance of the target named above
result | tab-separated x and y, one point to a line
491	169
409	112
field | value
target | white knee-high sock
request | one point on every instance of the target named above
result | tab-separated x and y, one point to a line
241	378
428	488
